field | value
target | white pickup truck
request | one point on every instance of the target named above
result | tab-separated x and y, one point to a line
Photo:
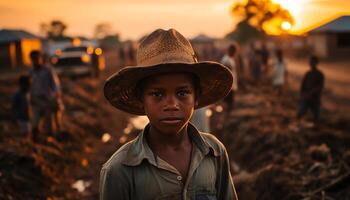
78	60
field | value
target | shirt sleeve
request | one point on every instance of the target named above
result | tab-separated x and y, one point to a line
225	187
114	184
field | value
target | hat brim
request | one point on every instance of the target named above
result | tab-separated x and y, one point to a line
215	82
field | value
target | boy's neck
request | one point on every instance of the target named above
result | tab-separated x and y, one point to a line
158	140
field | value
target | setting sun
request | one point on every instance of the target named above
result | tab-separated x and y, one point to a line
286	26
295	7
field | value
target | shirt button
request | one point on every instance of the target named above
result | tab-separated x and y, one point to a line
179	178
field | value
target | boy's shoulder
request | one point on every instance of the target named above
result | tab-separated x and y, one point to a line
214	143
118	157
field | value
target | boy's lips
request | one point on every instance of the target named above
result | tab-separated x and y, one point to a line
171	120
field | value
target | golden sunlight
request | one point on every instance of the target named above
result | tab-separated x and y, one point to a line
293	6
296	8
286	26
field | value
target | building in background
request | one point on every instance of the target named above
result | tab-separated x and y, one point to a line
331	39
15	48
204	47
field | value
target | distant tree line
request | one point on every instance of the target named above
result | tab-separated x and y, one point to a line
56	30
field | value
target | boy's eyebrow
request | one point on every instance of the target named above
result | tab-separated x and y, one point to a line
184	87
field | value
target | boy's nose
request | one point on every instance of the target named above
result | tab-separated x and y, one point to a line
171	103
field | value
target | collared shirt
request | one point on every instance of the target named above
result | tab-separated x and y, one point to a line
44	83
135	172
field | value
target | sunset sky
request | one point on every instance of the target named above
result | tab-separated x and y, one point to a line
134	18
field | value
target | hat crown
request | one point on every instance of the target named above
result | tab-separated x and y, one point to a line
163	46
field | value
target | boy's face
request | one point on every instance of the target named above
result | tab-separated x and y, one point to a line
169	101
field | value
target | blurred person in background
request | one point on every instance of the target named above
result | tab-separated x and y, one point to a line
240	65
251	58
265	57
21	108
256	67
279	72
46	98
229	60
311	91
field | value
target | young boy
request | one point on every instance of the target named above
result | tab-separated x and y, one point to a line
170	159
311	90
21	106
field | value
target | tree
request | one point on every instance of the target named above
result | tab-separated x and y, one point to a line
54	30
260	16
244	32
102	30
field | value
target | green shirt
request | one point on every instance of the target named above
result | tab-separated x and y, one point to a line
135	172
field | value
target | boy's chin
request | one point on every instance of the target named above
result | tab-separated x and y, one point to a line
171	130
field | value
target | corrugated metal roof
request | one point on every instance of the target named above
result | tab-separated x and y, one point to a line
9	35
340	24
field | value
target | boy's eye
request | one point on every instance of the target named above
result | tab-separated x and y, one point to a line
183	93
156	94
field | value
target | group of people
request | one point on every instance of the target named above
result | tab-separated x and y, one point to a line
266	67
263	66
37	105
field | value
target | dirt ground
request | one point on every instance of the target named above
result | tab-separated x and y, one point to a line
271	158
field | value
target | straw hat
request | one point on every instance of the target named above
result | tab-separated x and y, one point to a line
166	52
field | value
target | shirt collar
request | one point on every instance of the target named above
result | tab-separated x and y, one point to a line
140	150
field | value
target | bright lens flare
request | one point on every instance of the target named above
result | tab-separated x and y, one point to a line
98	51
286	26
